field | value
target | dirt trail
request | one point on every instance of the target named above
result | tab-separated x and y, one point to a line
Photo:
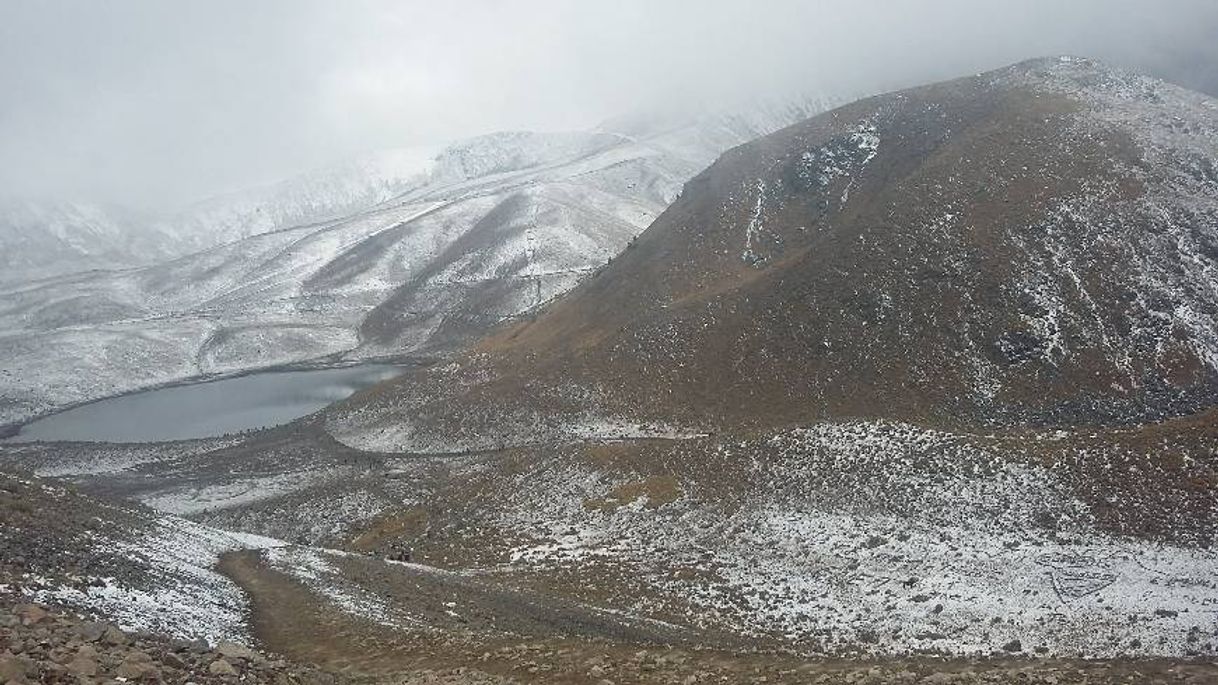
291	619
294	621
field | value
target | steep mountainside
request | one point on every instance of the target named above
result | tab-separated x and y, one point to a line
497	225
1037	245
319	195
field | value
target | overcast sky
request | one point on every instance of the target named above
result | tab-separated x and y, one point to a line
155	103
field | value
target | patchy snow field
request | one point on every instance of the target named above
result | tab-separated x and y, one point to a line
876	538
314	567
182	596
141	570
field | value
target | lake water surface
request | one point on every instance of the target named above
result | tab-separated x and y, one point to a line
204	410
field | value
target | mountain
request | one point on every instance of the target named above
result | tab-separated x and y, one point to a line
1035	246
319	195
488	229
41	239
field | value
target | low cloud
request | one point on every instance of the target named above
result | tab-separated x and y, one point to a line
154	103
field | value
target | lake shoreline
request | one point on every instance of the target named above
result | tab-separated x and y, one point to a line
10	432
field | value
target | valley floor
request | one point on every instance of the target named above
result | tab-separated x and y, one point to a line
294	620
860	552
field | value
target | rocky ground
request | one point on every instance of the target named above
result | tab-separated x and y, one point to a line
354	614
40	644
285	612
839	538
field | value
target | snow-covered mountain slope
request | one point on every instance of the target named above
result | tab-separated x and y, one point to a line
41	239
143	570
319	195
495	226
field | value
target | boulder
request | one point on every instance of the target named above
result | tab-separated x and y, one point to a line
174	661
114	636
91	631
15	668
232	650
136	670
30	614
83	667
221	667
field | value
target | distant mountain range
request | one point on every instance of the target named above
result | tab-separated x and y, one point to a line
46	238
397	254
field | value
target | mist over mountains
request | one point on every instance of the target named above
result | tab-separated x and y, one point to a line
157	108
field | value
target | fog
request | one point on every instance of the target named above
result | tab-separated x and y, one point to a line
154	104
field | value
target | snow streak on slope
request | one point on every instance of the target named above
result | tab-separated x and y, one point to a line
182	596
